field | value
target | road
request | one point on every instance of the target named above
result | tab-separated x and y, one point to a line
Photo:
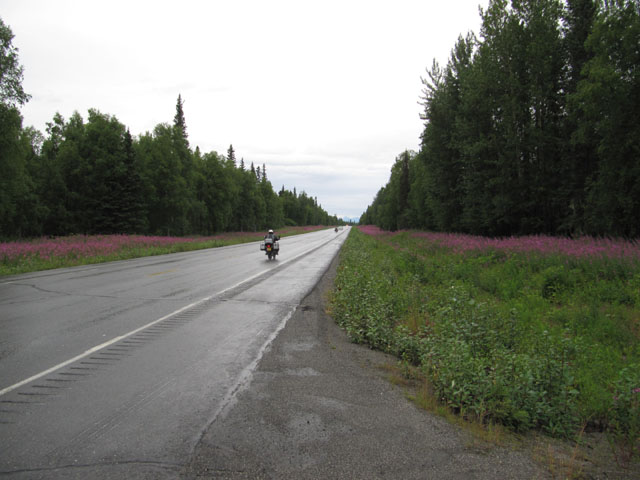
118	369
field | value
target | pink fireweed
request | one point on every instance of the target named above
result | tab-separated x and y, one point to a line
581	247
372	230
83	246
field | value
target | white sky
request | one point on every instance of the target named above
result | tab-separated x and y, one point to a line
325	93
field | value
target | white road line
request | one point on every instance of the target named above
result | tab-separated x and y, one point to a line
95	349
108	343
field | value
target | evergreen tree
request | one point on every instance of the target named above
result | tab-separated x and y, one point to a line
441	154
231	156
179	122
194	213
403	191
133	202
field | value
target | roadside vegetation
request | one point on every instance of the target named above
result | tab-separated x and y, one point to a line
47	253
537	334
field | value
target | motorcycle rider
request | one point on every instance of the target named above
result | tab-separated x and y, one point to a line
272	236
270	244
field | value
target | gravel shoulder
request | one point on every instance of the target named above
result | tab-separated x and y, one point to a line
319	406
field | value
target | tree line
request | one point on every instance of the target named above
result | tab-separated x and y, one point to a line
92	176
531	128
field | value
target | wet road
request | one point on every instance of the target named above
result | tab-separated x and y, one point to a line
117	369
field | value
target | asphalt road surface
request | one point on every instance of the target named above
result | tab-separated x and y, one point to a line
118	370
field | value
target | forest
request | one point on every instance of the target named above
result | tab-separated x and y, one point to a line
89	176
532	127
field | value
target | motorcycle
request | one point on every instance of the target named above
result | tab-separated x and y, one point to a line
271	247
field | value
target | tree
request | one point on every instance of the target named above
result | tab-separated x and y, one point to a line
508	127
231	156
245	201
104	152
179	122
69	160
494	158
167	197
13	180
95	177
419	212
273	205
608	99
581	149
15	183
132	200
441	100
194	208
51	184
11	72
220	192
404	187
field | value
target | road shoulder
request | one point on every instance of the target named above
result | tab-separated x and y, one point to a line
319	406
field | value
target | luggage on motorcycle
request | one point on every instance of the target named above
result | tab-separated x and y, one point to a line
271	247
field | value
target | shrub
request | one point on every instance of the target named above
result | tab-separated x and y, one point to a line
624	414
533	334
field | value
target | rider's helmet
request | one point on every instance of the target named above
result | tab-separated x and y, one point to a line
270	231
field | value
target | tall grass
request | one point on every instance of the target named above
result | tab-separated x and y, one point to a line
533	333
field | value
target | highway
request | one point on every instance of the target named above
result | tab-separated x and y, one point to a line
117	369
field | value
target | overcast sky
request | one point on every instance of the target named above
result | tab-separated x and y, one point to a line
325	93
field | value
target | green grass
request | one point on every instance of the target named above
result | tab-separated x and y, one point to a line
531	341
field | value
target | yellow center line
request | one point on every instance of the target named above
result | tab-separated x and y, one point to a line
161	273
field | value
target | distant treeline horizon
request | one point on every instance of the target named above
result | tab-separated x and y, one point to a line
94	177
531	128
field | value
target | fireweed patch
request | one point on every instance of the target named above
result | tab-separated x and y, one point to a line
582	247
533	333
46	253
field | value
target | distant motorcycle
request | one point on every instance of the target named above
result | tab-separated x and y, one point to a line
271	247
